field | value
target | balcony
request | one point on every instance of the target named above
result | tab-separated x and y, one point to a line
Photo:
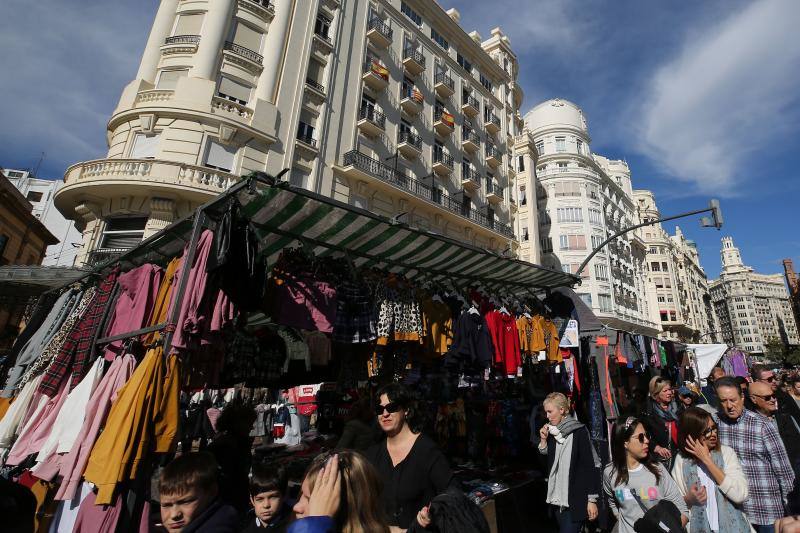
470	105
103	255
512	172
470	180
361	166
413	61
412	102
494	193
323	44
379	33
180	44
371	122
409	144
444	85
444	123
316	89
470	141
307	143
244	53
492	123
263	9
376	76
493	157
442	162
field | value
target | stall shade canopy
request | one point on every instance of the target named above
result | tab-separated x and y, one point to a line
707	355
284	215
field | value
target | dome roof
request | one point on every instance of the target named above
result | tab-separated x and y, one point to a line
556	112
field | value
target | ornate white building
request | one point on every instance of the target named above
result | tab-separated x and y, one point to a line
581	199
751	308
387	104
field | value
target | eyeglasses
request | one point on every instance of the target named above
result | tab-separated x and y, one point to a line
641	437
770	379
391	407
713	429
765	397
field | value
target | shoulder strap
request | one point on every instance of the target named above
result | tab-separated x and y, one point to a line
638	500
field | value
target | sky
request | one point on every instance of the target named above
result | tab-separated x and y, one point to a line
700	98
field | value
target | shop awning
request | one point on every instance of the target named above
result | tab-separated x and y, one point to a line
285	216
20	282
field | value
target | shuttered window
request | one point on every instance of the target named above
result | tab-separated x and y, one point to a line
189	24
248	37
145	146
168	79
234	90
123	232
220	156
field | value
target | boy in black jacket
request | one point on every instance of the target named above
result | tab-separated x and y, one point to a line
271	512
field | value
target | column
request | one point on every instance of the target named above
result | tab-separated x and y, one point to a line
212	38
162	25
162	214
274	49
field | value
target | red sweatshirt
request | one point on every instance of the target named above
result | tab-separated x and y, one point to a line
503	330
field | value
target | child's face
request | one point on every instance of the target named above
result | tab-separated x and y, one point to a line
267	504
178	510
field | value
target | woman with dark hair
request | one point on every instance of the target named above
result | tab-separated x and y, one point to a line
634	478
412	468
709	476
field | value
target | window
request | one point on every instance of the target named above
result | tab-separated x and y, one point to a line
586	297
408	88
562	167
466	65
664	267
219	156
597	240
521	163
405	127
15	174
123	232
572	242
661	299
486	82
438	150
673	316
605	302
322	26
591	191
655	267
561	144
601	272
305	132
664	316
569	214
188	24
441	41
568	188
595	217
523	195
34	196
411	14
248	37
145	145
299	178
579	146
524	232
540	147
168	79
233	90
546	244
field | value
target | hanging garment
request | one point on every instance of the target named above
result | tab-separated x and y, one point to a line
36	431
437	322
552	341
538	342
97	517
355	315
191	322
70	418
67	511
44	306
472	348
303	302
143	416
12	421
40	339
505	338
73	463
601	359
134	305
399	316
525	329
296	348
163	299
74	358
319	347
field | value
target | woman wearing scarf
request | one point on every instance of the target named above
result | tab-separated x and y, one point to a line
573	466
661	420
709	476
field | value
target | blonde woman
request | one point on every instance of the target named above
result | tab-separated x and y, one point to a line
661	419
340	493
573	483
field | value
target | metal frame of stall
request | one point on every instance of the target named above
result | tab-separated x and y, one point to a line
199	220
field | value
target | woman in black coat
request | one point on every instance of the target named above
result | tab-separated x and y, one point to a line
573	466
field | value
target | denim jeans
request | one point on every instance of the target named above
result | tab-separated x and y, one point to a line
564	519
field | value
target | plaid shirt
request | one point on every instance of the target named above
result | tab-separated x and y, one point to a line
74	357
355	315
765	463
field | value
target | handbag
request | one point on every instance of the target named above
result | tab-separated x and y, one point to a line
664	517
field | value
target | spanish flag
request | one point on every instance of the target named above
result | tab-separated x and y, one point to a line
380	70
448	119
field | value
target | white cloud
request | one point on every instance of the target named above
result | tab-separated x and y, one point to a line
708	116
64	66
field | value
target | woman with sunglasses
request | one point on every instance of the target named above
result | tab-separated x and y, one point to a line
412	468
634	478
709	476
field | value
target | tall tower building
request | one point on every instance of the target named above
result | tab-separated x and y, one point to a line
388	105
582	199
752	308
794	287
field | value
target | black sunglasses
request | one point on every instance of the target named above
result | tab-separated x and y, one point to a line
770	379
641	436
391	407
713	429
765	397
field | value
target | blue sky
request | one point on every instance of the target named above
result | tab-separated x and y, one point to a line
701	98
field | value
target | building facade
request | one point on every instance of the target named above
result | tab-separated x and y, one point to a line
793	284
40	194
752	308
387	105
582	199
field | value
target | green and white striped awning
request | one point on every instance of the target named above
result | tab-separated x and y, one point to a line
285	216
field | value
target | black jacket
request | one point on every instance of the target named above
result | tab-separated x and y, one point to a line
659	431
584	477
218	518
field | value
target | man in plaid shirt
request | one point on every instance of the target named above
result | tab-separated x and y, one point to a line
764	460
